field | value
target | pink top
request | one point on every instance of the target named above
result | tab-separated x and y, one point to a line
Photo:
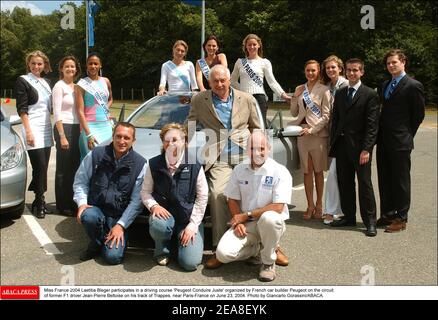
64	103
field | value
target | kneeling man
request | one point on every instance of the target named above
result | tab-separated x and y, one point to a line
258	193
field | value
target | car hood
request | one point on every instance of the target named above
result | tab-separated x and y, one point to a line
8	138
148	142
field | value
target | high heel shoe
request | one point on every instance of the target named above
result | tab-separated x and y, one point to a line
317	214
309	213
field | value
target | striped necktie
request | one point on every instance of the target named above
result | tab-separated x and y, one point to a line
392	86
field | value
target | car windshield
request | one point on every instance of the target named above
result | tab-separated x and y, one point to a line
162	110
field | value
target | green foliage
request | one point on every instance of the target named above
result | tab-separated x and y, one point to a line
135	37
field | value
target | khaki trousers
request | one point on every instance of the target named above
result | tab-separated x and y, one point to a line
217	177
262	235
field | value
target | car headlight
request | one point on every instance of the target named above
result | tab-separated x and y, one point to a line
11	157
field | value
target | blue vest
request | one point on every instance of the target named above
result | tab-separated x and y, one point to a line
110	185
176	193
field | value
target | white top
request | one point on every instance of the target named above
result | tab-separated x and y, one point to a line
64	103
39	114
201	195
171	74
271	183
262	68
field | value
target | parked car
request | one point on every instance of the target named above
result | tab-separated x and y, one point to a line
153	114
13	168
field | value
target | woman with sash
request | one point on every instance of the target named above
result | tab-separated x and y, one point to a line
34	96
251	71
66	133
178	74
312	101
94	99
212	58
332	76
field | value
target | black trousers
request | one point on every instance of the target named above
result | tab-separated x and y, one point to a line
67	163
263	104
347	165
394	176
39	159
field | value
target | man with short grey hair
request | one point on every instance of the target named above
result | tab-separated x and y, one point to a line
228	116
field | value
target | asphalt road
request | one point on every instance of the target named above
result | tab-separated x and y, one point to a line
319	255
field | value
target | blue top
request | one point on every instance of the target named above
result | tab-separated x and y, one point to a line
81	187
224	110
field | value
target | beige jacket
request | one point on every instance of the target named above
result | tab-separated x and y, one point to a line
320	95
244	119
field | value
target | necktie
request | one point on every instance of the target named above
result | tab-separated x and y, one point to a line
350	95
392	86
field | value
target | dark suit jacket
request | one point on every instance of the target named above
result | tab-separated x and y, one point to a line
401	114
358	122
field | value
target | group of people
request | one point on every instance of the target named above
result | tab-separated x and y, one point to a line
343	119
81	115
248	192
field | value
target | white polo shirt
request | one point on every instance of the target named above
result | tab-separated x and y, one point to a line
271	183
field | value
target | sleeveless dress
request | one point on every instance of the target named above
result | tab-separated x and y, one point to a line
39	115
97	118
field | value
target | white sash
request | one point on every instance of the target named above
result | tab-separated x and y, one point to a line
310	104
88	85
204	68
184	78
251	72
41	86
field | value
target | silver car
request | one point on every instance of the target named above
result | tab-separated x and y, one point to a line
13	168
153	114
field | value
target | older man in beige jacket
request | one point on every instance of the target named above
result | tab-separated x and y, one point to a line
228	117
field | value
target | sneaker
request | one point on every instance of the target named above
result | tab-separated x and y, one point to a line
163	260
254	261
267	272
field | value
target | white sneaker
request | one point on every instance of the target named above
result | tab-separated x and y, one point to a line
163	260
267	272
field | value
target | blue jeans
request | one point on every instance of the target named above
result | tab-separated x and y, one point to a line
162	230
97	226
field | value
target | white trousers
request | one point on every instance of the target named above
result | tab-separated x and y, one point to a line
263	235
332	199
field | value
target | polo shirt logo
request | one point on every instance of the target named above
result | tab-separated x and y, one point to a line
269	181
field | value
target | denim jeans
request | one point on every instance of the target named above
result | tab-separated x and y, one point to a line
97	226
162	230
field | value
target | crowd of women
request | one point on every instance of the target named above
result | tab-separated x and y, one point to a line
82	117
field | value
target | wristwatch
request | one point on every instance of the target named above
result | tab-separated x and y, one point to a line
249	214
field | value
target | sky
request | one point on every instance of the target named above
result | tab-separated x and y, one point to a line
36	7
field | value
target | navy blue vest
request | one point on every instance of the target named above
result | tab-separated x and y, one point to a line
110	185
178	193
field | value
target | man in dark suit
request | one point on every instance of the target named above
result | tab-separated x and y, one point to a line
353	134
401	115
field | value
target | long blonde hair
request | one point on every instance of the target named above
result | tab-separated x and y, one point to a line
256	38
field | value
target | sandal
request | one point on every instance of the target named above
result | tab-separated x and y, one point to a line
317	214
309	213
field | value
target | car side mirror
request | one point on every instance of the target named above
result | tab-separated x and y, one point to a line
14	120
291	131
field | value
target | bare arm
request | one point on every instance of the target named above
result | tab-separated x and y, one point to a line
223	59
110	95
